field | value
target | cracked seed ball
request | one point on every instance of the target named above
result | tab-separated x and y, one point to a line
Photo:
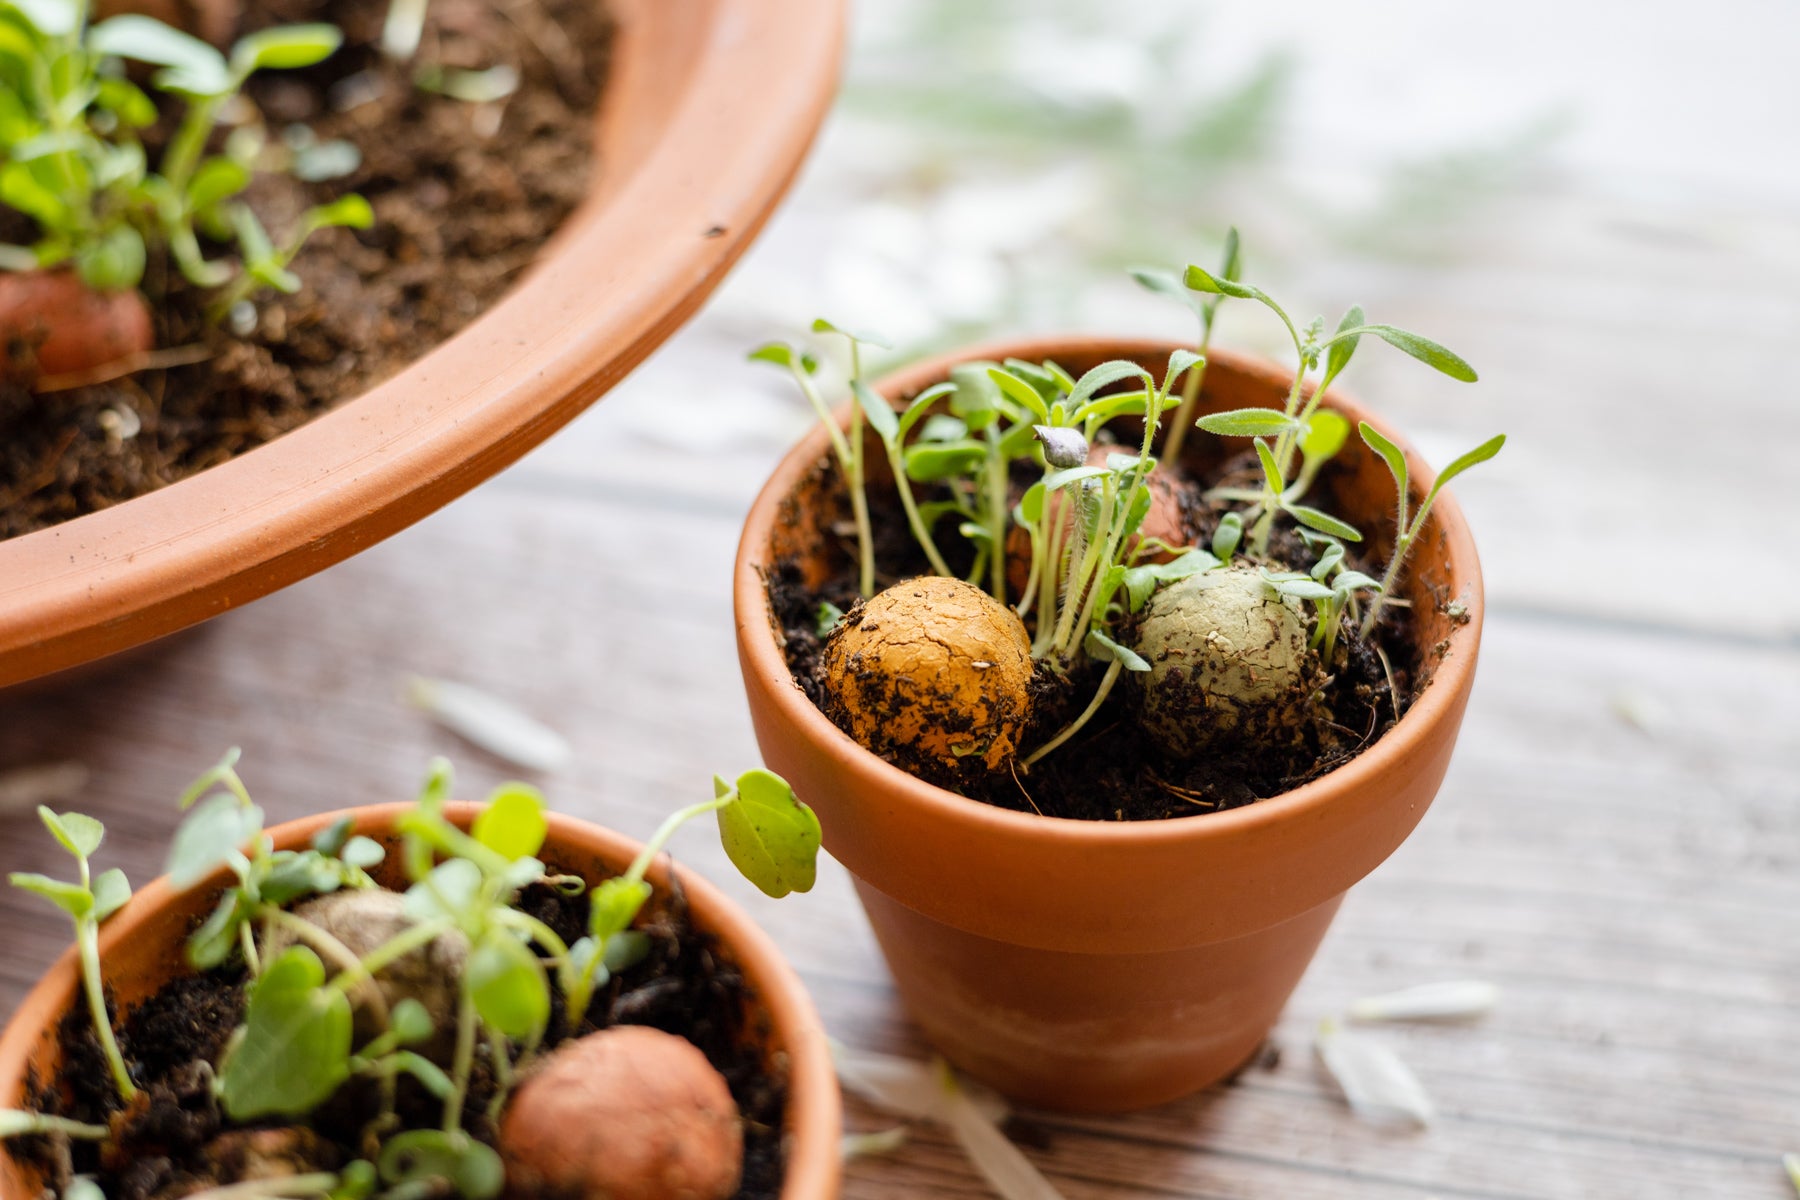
1226	652
1164	520
629	1113
366	918
930	674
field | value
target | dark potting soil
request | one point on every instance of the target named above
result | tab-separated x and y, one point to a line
1111	770
175	1140
465	195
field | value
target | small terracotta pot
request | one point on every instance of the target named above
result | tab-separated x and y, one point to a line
708	110
51	324
1100	966
140	950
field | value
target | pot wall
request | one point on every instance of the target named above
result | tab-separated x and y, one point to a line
1107	966
140	953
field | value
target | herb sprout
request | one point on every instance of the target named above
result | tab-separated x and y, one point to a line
88	902
75	163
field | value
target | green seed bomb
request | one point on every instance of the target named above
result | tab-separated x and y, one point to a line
1226	652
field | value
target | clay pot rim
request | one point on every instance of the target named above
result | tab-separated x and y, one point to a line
757	644
707	114
814	1117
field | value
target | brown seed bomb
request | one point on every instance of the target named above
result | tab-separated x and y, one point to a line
931	673
629	1113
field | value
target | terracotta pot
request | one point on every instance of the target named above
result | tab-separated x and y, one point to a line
51	324
140	952
709	109
1098	966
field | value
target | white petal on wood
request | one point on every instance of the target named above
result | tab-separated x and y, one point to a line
22	789
1379	1086
1450	1000
872	1144
496	725
904	1087
1002	1164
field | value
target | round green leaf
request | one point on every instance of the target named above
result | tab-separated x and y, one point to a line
770	835
513	823
506	981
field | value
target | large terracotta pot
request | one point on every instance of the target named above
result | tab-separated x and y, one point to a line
709	109
1098	966
140	950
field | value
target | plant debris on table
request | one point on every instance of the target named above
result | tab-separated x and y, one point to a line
1037	611
498	1024
469	151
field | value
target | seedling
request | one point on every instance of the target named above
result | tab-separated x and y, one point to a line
1407	525
74	161
89	901
1204	308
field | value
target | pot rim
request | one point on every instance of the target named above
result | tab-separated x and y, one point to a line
814	1117
739	85
1439	703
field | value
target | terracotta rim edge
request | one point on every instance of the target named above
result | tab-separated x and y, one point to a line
749	107
757	643
814	1116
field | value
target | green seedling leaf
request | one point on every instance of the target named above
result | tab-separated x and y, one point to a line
428	1073
285	47
113	261
1479	454
942	427
784	355
513	823
1325	435
1105	375
827	618
1338	356
1271	471
1231	259
1193	562
1200	280
112	891
506	981
882	418
1031	505
208	838
920	407
451	889
1247	422
1355	581
217	939
1140	585
362	853
472	1170
190	65
1103	648
410	1022
931	462
1021	391
977	397
1425	350
1312	518
217	179
55	18
626	950
352	211
1304	588
1227	536
770	835
1390	454
332	839
821	325
523	872
1164	283
1062	479
295	1049
126	101
292	876
72	898
614	905
1180	362
80	835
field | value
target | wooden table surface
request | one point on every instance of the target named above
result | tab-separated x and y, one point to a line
1617	845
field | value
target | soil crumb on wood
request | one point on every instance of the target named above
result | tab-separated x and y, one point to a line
465	196
174	1140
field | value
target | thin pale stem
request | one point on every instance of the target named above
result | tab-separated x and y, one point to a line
913	519
464	1062
1190	397
996	515
87	935
665	831
1074	727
